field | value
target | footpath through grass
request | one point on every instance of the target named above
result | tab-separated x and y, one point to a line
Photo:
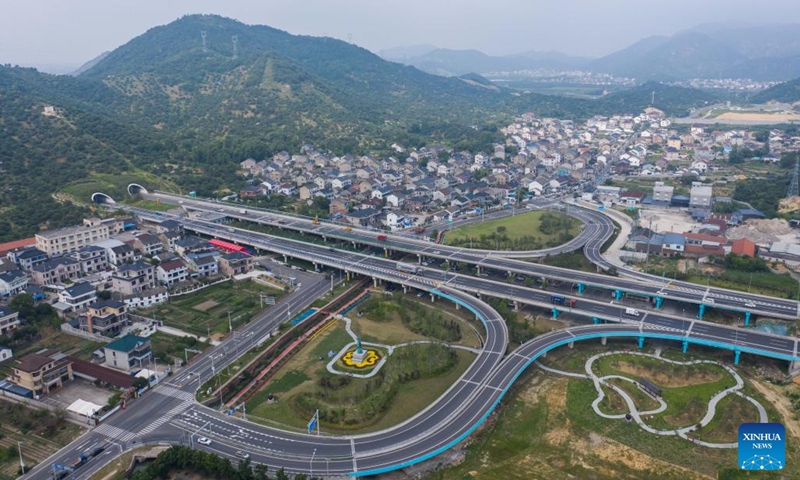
413	377
525	231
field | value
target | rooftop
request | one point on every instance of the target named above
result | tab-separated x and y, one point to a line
127	343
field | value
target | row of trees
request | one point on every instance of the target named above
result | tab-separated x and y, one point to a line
207	465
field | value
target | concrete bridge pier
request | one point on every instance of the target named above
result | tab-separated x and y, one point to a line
701	311
618	295
581	288
386	253
595	320
571	344
316	267
555	313
516	306
285	258
419	259
433	298
478	269
685	346
375	281
736	354
405	289
659	301
346	276
746	318
794	369
603	340
641	342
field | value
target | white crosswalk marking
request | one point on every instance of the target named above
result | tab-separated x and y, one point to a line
173	392
114	432
182	407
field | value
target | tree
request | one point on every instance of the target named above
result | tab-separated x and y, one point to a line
501	229
139	383
24	304
104	295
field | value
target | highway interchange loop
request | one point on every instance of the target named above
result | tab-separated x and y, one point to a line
169	413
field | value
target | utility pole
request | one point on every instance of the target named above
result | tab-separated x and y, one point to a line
21	463
203	36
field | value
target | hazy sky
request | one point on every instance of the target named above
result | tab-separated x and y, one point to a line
65	33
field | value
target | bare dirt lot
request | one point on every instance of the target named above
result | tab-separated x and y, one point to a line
205	306
667	220
759	117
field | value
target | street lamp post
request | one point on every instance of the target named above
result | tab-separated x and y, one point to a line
21	463
311	464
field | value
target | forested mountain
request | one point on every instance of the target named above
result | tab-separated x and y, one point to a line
788	92
161	105
687	55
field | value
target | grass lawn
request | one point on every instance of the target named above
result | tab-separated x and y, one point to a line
153	205
521	232
388	328
573	261
685	389
536	437
302	373
27	425
732	411
764	283
207	309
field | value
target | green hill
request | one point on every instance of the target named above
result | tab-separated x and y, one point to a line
787	92
160	105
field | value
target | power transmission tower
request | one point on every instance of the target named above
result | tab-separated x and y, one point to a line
235	40
203	36
793	185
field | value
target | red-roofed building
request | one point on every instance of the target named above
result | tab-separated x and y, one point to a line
744	247
631	198
8	246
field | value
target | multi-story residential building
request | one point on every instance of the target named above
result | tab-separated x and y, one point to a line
662	193
169	239
115	225
122	254
148	244
56	270
128	352
235	263
172	272
91	259
42	372
107	317
203	264
27	258
12	282
77	296
700	196
145	298
133	278
9	320
65	240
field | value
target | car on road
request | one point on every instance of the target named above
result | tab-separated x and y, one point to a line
709	301
750	304
242	454
204	441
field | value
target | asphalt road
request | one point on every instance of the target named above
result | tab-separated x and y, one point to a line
168	413
597	229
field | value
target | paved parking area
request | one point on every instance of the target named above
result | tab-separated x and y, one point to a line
79	389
